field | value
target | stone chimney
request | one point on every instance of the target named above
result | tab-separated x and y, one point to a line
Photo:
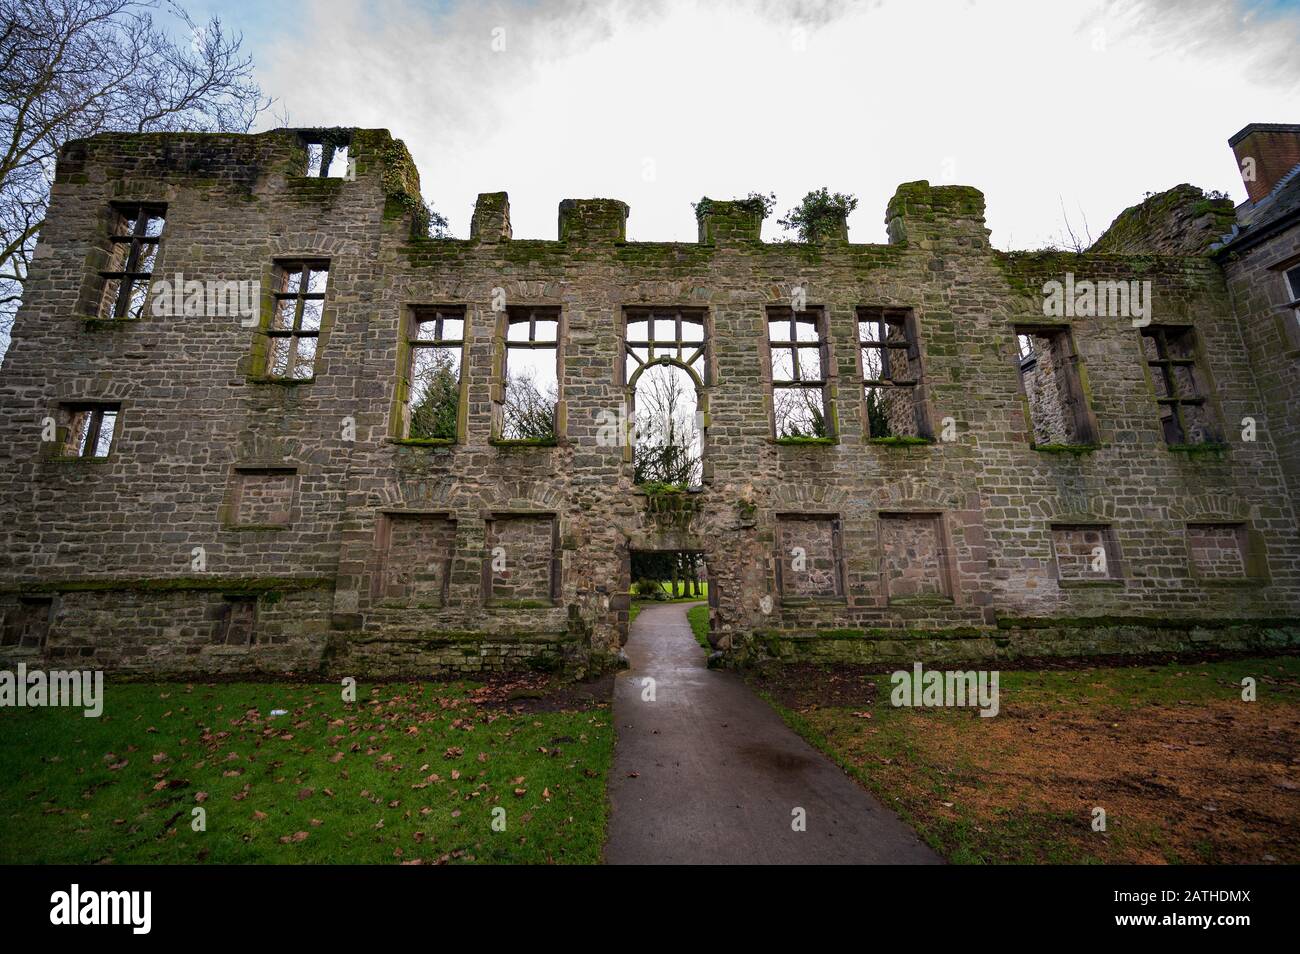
1265	153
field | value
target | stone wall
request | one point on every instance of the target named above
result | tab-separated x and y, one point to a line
307	497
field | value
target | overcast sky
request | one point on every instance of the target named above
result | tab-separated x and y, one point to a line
1041	105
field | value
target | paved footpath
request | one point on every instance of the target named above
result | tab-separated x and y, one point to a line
708	773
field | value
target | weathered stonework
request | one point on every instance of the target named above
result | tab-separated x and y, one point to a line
305	496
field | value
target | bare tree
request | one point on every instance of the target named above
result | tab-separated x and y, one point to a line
73	68
528	413
667	447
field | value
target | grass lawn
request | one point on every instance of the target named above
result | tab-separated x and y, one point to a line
1185	770
411	772
698	616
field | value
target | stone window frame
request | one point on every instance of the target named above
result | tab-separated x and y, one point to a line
556	561
408	343
383	538
818	316
12	639
275	274
1115	565
331	142
1159	333
230	505
841	595
1289	316
1254	553
947	570
703	382
905	314
227	619
65	415
501	362
1085	421
129	276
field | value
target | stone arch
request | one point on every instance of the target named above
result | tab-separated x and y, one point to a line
311	245
1077	507
1210	507
93	389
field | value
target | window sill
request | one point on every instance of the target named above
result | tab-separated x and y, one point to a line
1233	580
899	441
519	604
1215	449
255	527
282	382
66	461
804	441
94	324
923	601
1086	584
423	441
525	442
797	601
1078	450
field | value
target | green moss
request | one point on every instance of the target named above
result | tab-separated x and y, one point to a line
1077	450
175	584
423	441
902	441
1213	450
520	604
524	442
804	441
1154	622
657	487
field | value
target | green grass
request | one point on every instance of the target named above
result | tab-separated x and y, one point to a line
701	587
412	771
698	616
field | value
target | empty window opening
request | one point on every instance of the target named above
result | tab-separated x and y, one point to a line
134	235
1085	553
435	346
797	345
666	363
1179	385
891	374
297	308
663	575
327	160
238	623
1049	375
913	557
416	553
530	375
91	429
521	565
264	498
809	557
1293	290
1218	550
27	624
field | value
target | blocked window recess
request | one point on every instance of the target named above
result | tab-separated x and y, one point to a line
27	623
237	622
799	372
1178	377
135	232
297	315
892	385
87	431
415	558
1052	383
263	497
527	400
328	158
521	567
1224	551
1085	553
914	558
666	368
810	557
431	383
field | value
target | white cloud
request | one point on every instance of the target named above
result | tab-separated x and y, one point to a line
658	103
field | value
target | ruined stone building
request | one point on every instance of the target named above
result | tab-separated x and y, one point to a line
220	452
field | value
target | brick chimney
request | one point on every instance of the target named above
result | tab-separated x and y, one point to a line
1265	153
